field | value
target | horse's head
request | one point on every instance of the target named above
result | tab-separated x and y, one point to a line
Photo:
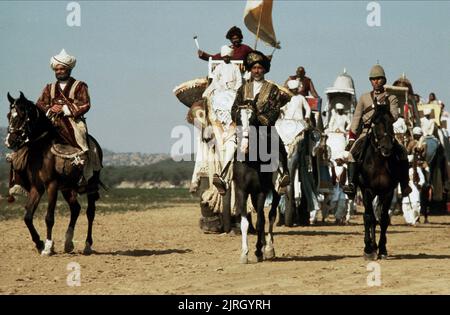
246	116
20	117
383	131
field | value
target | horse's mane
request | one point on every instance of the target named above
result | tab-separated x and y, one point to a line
40	121
383	116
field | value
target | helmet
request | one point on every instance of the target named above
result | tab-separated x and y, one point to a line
376	72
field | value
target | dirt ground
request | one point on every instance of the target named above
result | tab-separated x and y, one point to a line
163	251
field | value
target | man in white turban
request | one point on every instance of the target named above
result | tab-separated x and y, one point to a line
294	116
339	121
226	80
221	93
427	123
338	126
65	102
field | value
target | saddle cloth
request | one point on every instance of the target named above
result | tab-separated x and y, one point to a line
90	159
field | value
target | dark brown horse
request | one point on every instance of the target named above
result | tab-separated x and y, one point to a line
30	128
378	179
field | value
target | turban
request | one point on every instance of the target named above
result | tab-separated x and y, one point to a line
293	84
234	31
63	59
427	111
256	57
339	106
417	131
226	51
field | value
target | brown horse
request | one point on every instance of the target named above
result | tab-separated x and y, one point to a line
30	129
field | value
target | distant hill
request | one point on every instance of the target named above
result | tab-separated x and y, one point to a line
132	158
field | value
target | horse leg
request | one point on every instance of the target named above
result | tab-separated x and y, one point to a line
260	224
269	251
70	197
33	200
90	213
369	226
52	194
241	198
384	223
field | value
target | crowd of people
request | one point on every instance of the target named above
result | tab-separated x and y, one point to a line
231	88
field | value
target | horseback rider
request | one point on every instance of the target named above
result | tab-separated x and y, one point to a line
360	127
65	102
264	98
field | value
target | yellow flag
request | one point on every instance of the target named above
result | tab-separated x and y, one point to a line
258	19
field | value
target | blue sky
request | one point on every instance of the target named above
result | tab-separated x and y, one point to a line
132	54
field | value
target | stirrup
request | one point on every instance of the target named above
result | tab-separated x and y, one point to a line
220	184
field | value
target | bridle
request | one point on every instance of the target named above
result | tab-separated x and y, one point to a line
23	131
378	137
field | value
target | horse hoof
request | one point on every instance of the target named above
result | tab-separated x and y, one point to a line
269	254
40	246
87	249
382	254
259	258
68	247
372	256
244	259
48	248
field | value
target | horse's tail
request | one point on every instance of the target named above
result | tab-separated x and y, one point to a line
100	157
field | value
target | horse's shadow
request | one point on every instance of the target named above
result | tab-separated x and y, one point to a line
143	252
314	258
418	256
315	233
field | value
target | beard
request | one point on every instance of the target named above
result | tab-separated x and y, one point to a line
63	77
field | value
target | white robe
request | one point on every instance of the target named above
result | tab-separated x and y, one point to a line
411	204
291	123
226	80
428	126
339	123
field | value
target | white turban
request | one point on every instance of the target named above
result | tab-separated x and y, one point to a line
293	84
417	131
400	126
63	59
427	111
339	106
226	51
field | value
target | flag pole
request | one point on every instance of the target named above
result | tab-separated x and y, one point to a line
259	25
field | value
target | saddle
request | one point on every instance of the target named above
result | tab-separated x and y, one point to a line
71	156
66	151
